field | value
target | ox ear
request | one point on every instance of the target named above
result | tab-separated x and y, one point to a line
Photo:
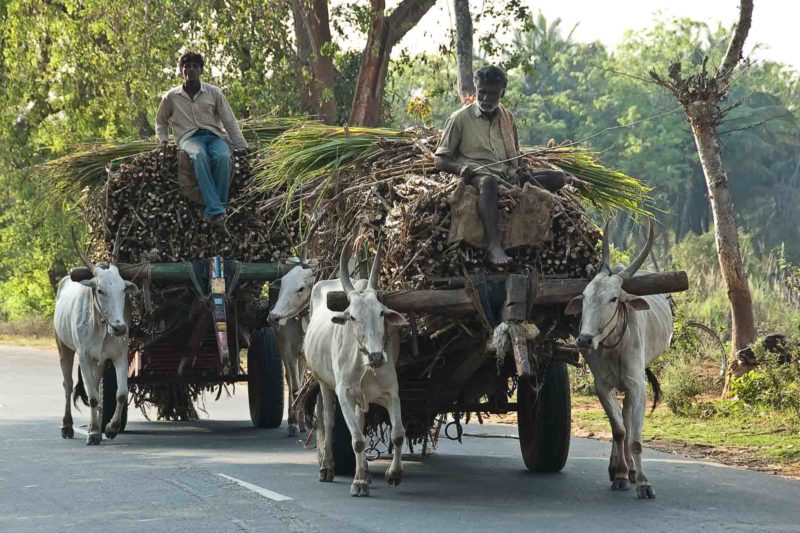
340	318
393	318
575	306
131	287
91	283
636	302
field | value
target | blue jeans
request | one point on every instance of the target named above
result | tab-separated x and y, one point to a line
211	158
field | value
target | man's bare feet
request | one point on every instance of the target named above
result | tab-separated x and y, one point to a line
498	256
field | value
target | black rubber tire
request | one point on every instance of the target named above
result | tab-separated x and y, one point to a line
265	379
544	422
344	459
108	398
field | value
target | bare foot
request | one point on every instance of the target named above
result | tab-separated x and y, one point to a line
498	256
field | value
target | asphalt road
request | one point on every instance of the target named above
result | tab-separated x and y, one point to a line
168	476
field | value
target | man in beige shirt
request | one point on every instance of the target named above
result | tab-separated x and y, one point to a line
480	144
205	128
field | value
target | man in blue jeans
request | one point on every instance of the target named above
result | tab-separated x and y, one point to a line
205	128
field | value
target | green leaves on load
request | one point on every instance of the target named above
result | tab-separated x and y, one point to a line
605	188
88	165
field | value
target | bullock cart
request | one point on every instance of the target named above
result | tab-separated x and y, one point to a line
520	368
187	341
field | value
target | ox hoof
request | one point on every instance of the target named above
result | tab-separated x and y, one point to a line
326	474
394	478
67	433
93	439
293	430
645	492
359	488
621	484
111	433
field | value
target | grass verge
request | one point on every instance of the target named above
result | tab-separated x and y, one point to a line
760	440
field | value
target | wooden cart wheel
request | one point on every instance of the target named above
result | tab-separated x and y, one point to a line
265	379
344	459
108	396
544	420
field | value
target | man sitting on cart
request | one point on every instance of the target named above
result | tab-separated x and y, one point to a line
480	144
205	128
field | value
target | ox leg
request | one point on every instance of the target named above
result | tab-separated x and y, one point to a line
293	379
354	417
328	397
92	371
66	357
611	406
394	474
639	405
121	368
627	417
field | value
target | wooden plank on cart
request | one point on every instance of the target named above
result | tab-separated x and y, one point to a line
457	300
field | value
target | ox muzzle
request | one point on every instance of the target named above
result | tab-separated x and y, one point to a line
584	341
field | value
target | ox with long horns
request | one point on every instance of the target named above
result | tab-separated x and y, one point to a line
620	335
353	355
90	320
289	317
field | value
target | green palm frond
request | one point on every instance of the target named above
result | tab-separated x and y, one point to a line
604	187
88	164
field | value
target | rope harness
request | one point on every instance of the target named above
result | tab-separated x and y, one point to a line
623	310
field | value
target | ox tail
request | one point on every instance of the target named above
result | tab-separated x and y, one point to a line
80	391
656	387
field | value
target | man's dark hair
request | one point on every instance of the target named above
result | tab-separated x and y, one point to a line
490	74
190	57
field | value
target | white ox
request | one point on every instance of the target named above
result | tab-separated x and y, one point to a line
89	320
620	335
353	354
290	318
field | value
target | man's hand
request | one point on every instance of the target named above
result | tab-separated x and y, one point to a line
241	151
163	144
466	174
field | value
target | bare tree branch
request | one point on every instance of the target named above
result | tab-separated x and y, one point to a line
740	31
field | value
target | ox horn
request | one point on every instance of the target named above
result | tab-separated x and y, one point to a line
344	273
376	270
604	262
80	253
637	263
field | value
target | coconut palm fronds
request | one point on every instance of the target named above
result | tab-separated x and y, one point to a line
312	154
604	187
88	164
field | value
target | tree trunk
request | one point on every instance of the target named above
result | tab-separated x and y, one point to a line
466	85
384	33
308	94
700	95
314	14
725	231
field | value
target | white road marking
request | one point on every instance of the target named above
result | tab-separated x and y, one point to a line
274	496
81	431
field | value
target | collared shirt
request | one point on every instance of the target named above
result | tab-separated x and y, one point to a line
208	110
473	139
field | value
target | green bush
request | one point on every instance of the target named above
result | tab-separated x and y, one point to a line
681	386
772	384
